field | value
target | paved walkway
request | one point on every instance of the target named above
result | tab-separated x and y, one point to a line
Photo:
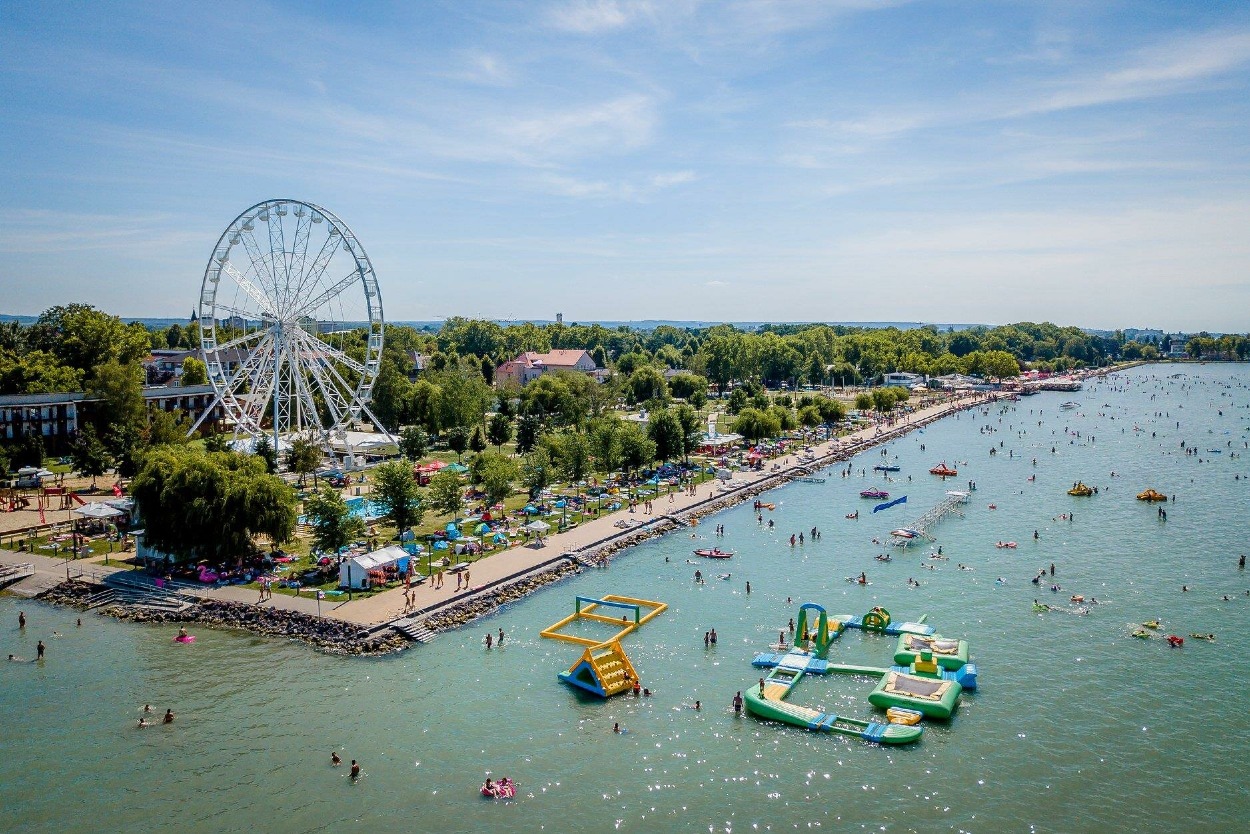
590	535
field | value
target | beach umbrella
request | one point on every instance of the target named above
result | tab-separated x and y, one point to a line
434	465
458	468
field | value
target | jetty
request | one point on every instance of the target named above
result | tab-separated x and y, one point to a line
951	504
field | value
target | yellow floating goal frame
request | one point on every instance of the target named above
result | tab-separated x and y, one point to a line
589	608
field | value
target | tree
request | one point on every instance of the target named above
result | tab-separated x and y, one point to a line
496	473
303	457
83	337
197	505
863	401
527	430
686	385
458	440
737	400
536	472
477	440
754	424
499	431
446	493
414	443
4	460
691	428
263	449
647	383
333	524
167	428
605	442
391	395
119	391
28	451
194	371
35	372
396	490
809	416
90	456
570	453
665	431
637	450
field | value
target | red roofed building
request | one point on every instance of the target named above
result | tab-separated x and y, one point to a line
529	365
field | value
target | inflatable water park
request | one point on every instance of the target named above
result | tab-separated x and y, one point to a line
603	668
928	675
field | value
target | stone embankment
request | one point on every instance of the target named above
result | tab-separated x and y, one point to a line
481	604
333	636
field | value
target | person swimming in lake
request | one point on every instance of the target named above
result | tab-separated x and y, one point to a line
355	773
335	761
169	717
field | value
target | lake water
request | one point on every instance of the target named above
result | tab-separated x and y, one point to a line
1076	727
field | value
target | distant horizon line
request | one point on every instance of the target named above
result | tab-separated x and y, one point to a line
151	321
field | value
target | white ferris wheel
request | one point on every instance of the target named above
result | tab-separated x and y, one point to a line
291	324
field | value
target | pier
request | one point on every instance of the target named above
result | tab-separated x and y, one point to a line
921	526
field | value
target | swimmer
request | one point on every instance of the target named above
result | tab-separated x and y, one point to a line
169	717
698	705
616	728
335	761
143	722
355	774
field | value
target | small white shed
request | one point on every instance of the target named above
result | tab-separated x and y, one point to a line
354	572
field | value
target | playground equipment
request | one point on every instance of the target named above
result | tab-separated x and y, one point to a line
769	701
604	669
878	620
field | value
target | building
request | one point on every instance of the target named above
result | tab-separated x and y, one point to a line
56	417
165	366
52	416
529	366
903	380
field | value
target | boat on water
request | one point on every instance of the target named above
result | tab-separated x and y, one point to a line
905	533
713	553
874	493
1081	490
881	467
1069	405
943	470
1151	495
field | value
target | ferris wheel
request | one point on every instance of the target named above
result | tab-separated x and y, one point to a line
291	324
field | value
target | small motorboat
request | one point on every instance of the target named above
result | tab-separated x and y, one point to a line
1151	495
881	467
1011	545
713	553
504	788
943	470
1068	406
1081	490
874	493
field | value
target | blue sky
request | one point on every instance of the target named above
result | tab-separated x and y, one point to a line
1081	162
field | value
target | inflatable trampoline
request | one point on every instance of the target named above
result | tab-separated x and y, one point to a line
949	654
929	696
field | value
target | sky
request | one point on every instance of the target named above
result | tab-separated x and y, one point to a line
1085	163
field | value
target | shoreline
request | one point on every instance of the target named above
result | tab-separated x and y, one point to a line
359	631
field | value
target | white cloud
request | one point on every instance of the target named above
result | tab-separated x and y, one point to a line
589	17
674	178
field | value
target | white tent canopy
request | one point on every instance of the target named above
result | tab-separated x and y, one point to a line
97	509
538	526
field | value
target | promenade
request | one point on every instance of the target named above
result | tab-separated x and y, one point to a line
584	542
